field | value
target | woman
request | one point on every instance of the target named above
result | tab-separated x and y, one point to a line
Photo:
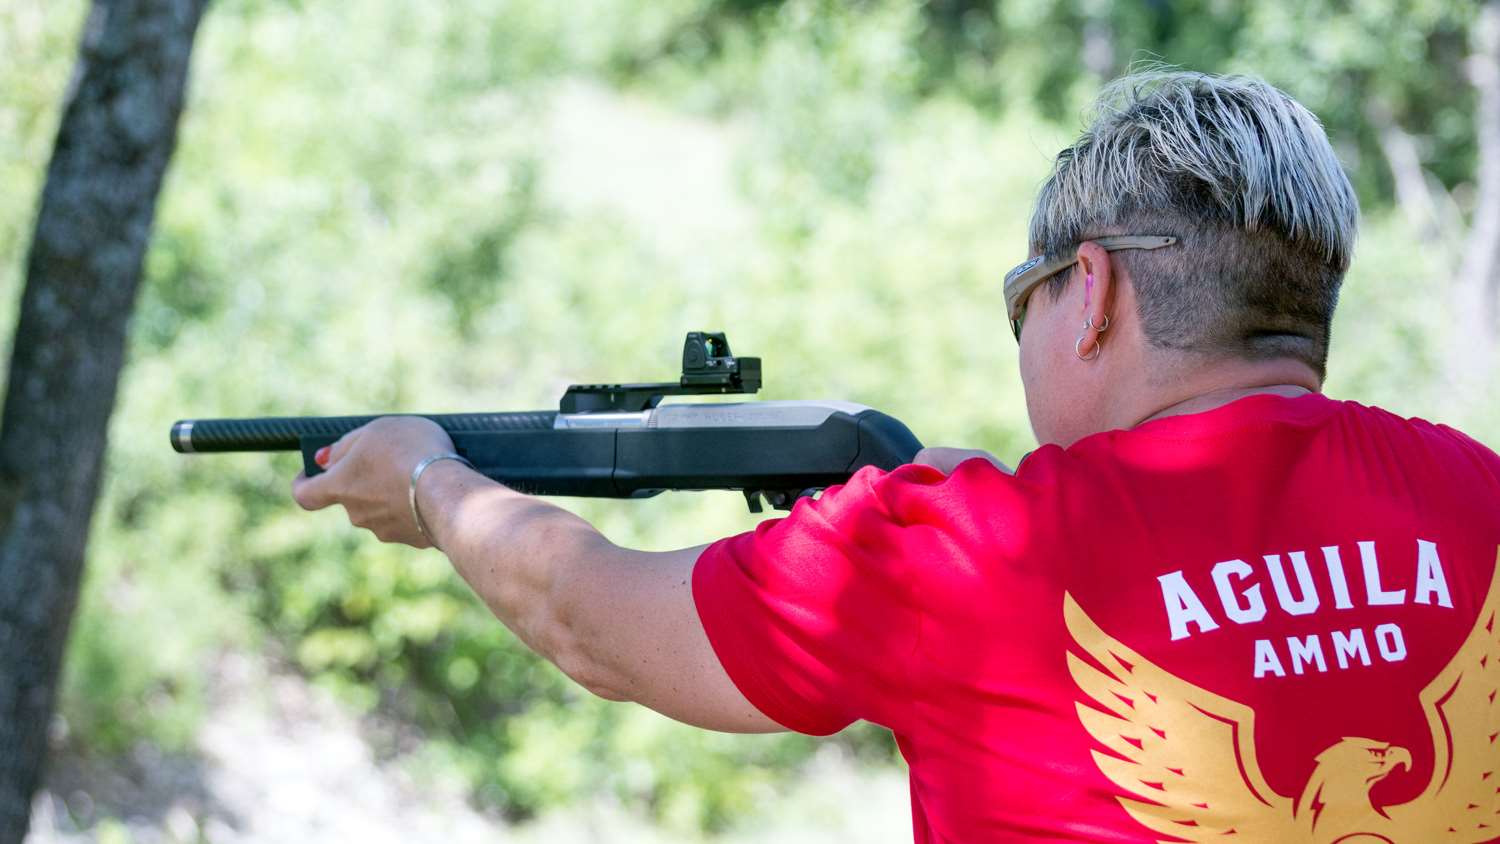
1213	602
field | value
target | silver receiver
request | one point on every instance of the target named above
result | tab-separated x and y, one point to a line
604	419
760	414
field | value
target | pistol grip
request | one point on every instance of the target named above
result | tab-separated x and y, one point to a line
309	446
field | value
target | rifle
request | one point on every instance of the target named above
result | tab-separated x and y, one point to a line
619	441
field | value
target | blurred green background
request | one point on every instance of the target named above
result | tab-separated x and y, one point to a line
469	205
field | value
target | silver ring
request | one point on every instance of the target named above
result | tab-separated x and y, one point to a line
1088	323
1078	349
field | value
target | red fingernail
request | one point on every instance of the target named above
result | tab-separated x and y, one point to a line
321	458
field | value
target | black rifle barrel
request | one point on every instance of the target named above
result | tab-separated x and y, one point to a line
287	433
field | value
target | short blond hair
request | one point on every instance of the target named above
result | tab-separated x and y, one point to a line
1245	177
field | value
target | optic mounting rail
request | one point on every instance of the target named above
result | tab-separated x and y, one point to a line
708	368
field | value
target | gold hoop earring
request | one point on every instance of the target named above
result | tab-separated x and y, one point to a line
1089	323
1078	349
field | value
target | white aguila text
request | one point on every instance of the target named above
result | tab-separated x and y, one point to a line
1244	594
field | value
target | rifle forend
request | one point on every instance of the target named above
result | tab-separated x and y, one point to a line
618	441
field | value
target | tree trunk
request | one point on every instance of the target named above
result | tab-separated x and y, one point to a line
1478	288
117	134
1413	195
1099	53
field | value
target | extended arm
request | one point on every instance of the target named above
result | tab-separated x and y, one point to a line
622	623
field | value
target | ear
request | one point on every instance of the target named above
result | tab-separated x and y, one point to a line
1098	293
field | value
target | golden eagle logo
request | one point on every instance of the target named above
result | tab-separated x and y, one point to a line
1188	755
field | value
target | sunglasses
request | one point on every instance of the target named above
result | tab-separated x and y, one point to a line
1021	281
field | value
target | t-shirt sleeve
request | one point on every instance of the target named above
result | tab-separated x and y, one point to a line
815	616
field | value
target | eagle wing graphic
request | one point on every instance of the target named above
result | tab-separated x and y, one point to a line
1462	802
1185	754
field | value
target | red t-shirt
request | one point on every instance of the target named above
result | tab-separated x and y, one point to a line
1273	621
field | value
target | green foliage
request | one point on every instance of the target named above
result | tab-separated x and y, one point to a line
1348	62
1403	57
37	40
468	205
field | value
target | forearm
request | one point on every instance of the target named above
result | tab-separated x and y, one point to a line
624	624
523	557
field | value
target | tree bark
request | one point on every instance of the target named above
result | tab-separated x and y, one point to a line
1478	284
117	134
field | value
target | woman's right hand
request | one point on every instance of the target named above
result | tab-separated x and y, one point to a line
947	459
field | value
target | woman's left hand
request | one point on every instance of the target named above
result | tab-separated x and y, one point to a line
368	470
